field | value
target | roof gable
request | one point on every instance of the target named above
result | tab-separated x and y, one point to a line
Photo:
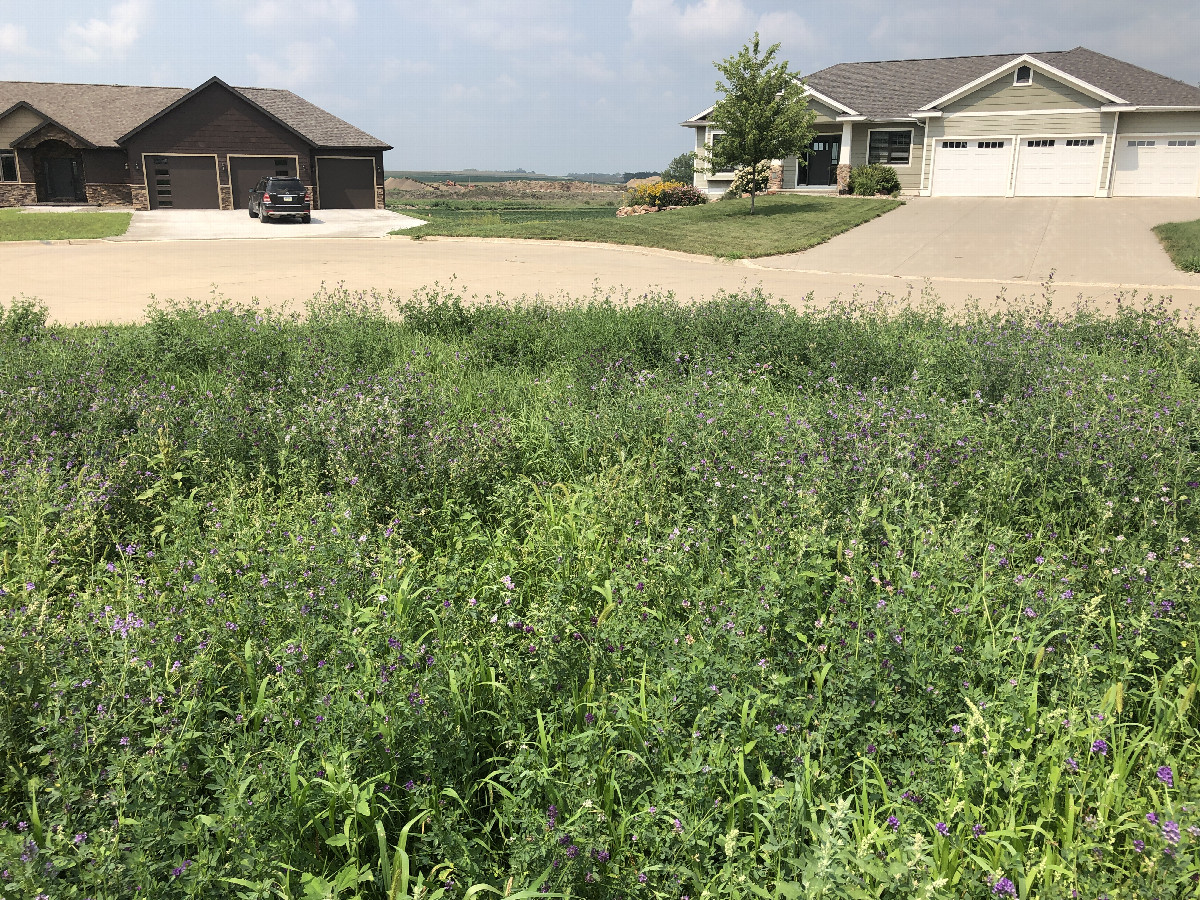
1044	92
1011	66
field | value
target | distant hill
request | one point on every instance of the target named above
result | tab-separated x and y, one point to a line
473	176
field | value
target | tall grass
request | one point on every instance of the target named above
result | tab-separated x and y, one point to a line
601	599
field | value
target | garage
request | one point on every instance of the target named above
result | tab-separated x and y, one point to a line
1163	165
972	168
182	182
345	182
1058	167
246	171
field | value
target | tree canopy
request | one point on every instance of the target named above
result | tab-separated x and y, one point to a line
681	169
762	113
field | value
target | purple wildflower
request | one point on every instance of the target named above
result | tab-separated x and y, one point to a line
1100	746
1170	832
943	829
893	823
1004	888
1166	776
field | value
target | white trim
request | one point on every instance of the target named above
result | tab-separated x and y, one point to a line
911	134
1033	63
1105	190
829	101
927	114
1020	112
1016	74
1147	108
851	119
844	147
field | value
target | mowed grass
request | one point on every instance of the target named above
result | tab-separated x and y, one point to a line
779	225
16	225
1181	240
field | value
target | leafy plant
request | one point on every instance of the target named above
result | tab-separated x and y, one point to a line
682	168
664	193
876	178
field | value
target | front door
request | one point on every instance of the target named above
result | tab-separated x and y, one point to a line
820	163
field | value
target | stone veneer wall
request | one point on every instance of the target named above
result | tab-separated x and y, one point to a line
226	196
14	194
843	178
139	197
775	177
379	204
109	194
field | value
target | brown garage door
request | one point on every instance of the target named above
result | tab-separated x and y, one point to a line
345	183
182	182
245	172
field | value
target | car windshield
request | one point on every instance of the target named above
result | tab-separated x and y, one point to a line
286	185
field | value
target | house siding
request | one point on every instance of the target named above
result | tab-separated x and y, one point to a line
826	115
1002	95
16	124
910	175
1159	122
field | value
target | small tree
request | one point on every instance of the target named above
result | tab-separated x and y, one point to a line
681	169
762	112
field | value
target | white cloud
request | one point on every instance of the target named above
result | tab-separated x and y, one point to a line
263	13
14	40
289	67
792	32
109	38
504	25
702	22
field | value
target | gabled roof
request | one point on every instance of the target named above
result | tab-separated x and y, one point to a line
895	89
104	114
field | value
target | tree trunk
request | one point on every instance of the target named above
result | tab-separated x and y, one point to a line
752	199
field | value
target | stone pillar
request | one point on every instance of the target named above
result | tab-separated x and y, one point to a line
775	177
139	197
226	197
379	203
843	178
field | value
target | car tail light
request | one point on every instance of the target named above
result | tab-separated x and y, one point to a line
308	194
266	198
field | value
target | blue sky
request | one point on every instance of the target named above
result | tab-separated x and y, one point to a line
547	85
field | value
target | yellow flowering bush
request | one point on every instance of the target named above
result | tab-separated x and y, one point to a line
665	193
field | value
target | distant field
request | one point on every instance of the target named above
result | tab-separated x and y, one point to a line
781	224
476	177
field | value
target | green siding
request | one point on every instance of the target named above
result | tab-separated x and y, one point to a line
825	114
1002	95
910	175
1159	122
1001	125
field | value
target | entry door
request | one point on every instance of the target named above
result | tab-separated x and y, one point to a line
61	179
822	162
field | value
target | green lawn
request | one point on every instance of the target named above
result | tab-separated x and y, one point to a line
16	225
1181	240
780	224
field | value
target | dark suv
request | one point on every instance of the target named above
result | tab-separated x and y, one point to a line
279	197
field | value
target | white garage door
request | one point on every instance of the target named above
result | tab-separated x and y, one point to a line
971	168
1058	167
1166	165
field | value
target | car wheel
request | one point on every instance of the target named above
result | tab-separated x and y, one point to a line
262	217
250	210
306	218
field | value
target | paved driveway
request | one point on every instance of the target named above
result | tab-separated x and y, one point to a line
1020	239
217	224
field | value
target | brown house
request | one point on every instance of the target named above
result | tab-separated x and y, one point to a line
171	148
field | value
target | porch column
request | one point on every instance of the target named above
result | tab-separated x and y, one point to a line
843	169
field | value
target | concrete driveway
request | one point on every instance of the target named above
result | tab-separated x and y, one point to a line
218	224
1020	240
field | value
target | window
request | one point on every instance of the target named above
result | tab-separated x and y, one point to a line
1141	143
1188	143
892	148
8	166
954	145
1023	75
1041	142
716	139
1081	142
283	167
990	145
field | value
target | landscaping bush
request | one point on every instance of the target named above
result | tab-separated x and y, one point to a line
745	178
867	181
665	193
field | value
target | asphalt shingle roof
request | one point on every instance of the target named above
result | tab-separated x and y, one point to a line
101	113
897	88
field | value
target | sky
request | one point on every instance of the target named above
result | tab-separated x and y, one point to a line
553	86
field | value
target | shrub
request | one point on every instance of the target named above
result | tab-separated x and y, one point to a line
681	169
745	178
867	181
665	193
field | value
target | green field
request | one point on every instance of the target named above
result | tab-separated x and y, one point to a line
1181	240
600	600
780	224
473	177
16	225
